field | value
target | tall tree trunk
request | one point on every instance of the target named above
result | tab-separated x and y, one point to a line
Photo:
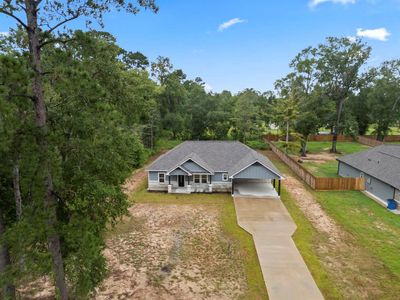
50	201
8	290
287	132
339	108
304	146
17	191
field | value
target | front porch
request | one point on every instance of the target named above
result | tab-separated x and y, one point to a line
186	184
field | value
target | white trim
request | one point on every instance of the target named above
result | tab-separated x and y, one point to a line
200	178
182	168
194	176
207	179
223	177
181	163
160	173
280	177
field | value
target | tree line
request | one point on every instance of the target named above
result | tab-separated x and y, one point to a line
330	86
78	113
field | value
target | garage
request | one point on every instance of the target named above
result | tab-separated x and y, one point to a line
254	188
256	180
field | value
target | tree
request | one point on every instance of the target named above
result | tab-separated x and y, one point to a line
338	63
246	115
287	107
14	124
40	15
383	98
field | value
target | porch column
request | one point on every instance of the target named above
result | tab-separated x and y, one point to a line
273	182
189	187
279	187
232	186
169	184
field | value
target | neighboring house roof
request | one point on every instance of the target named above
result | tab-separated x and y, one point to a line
214	156
382	162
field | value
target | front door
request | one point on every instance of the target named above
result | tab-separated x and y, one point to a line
181	180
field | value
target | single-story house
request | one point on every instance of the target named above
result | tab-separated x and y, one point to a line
380	166
211	166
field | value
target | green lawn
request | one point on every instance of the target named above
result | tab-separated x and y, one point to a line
329	167
393	130
255	283
342	147
372	225
326	169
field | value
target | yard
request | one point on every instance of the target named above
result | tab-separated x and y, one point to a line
360	261
319	161
181	247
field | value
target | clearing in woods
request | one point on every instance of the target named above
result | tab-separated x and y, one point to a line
180	247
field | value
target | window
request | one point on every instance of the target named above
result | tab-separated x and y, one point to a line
204	178
196	178
161	177
225	177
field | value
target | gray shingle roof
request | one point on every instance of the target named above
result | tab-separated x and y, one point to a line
382	162
216	156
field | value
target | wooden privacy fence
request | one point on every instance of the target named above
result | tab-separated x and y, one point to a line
319	183
313	138
328	138
368	141
300	171
341	183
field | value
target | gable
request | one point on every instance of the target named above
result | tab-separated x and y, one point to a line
256	171
192	167
179	171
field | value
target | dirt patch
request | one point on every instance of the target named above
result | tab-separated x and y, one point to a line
311	208
318	158
167	251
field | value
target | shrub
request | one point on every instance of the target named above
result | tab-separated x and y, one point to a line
257	144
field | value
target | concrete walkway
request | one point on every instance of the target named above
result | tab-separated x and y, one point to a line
285	272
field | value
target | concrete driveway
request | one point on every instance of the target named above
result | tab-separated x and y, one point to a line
285	272
254	188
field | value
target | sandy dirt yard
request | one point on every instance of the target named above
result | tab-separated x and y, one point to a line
167	251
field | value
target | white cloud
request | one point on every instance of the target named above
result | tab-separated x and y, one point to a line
4	33
314	3
352	38
229	23
207	87
380	34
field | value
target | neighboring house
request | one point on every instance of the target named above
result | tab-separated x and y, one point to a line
380	166
210	166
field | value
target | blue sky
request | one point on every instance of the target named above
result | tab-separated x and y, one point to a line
262	39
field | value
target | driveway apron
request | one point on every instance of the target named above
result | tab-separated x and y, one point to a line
285	273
